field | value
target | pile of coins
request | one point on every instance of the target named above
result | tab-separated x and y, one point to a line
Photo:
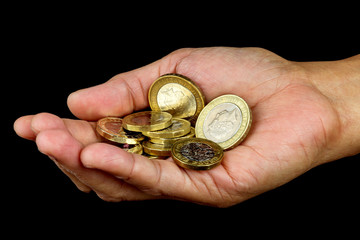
177	105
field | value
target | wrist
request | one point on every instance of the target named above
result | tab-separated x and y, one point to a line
339	82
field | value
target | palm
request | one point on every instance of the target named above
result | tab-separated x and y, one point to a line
287	133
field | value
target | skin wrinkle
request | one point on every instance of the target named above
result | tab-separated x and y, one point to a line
255	180
135	86
202	185
221	191
142	89
155	188
130	94
152	190
117	194
227	170
320	144
190	180
174	61
245	181
183	67
87	139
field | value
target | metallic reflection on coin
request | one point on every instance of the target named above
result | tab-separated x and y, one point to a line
226	120
178	128
156	149
197	153
132	148
111	129
177	100
147	121
177	95
222	122
168	142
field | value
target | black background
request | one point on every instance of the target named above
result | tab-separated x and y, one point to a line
51	51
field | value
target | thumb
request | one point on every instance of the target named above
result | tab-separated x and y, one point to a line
124	93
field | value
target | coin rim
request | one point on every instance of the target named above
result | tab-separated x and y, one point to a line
156	149
143	128
181	80
189	164
136	149
171	141
244	128
118	138
164	133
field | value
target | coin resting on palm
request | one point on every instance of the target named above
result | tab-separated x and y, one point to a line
197	153
226	120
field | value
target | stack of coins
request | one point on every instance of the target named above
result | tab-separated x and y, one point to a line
177	105
161	141
159	128
111	129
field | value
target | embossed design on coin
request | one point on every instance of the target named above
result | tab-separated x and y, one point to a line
175	98
177	95
197	153
226	120
222	122
114	127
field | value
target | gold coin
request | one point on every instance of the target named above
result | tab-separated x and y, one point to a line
132	148
197	153
178	128
168	142
156	149
154	156
111	129
147	121
226	120
177	95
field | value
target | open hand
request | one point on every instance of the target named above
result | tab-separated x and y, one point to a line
294	129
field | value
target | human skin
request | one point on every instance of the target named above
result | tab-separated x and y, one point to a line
304	114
